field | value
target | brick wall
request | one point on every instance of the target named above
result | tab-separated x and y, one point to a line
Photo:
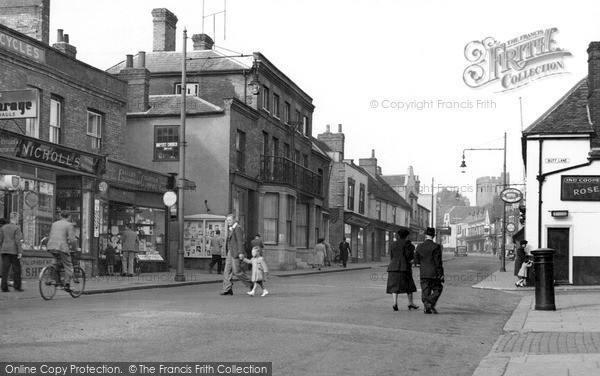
29	17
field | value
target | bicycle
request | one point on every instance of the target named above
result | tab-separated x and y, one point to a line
52	277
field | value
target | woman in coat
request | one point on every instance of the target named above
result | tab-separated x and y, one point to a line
520	257
400	279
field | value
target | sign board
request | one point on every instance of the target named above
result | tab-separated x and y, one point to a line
22	48
511	195
557	160
580	188
19	104
170	198
510	227
197	234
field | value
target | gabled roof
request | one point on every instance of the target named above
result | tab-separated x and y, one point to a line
168	105
379	188
319	147
198	60
567	116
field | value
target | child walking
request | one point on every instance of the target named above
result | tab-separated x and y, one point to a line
259	271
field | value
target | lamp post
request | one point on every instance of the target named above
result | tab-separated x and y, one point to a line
463	166
179	276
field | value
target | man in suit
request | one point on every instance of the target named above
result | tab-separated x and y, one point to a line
345	250
235	252
429	256
60	241
130	245
11	249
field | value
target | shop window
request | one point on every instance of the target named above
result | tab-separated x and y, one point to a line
271	218
302	226
94	129
166	143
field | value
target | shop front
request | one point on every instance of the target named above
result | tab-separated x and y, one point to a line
354	231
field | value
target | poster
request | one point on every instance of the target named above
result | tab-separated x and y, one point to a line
197	234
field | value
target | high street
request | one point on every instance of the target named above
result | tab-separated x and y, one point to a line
316	324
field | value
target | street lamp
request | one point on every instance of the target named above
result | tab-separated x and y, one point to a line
179	276
463	166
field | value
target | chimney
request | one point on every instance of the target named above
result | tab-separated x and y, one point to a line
328	129
29	17
62	44
593	81
165	25
138	83
202	42
339	128
335	142
369	164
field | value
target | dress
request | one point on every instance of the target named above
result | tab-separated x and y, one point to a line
400	279
320	253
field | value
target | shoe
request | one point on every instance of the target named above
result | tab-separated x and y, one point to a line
4	290
228	292
130	275
19	289
434	310
265	293
412	306
395	307
251	293
427	311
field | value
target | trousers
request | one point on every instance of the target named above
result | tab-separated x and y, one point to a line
233	268
431	289
8	260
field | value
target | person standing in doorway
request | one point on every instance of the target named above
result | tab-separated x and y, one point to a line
234	253
429	256
344	251
60	241
11	250
130	243
215	251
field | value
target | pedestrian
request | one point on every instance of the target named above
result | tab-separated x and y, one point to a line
328	253
216	243
257	242
130	246
520	258
523	272
344	248
234	253
259	270
319	253
60	242
109	252
11	250
399	278
429	257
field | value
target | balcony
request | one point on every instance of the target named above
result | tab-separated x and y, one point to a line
280	170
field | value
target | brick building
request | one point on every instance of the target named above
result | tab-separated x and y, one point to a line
62	133
248	134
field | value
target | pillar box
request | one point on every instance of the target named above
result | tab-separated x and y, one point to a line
543	264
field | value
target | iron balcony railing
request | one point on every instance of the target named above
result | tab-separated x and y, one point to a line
280	170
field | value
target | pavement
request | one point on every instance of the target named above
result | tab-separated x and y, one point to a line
533	342
536	342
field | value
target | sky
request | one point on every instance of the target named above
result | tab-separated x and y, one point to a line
390	71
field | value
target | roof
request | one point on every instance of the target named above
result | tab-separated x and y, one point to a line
164	105
319	147
395	180
458	213
381	189
197	60
569	115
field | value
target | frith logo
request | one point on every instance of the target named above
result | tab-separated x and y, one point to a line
515	63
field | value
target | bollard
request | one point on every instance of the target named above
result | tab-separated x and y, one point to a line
543	264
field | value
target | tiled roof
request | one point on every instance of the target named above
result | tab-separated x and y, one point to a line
320	144
569	115
458	213
200	60
171	105
381	189
395	180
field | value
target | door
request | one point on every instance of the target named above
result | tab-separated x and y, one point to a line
558	239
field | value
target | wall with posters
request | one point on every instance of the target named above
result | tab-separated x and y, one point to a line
198	229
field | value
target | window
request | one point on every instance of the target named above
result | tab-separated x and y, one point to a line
287	113
190	89
361	199
55	120
240	150
166	143
378	209
302	225
276	105
305	160
297	156
393	214
94	129
271	217
351	184
305	130
275	146
32	127
298	116
286	150
265	143
266	98
288	220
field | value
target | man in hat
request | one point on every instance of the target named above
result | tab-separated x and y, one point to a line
429	256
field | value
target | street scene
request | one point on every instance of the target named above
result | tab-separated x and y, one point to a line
299	187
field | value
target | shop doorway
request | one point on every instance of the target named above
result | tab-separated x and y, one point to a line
558	239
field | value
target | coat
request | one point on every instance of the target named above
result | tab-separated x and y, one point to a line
235	242
402	253
519	259
10	239
62	235
130	241
259	268
429	256
344	250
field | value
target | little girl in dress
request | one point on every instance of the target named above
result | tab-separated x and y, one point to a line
259	271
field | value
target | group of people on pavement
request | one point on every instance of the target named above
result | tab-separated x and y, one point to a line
400	278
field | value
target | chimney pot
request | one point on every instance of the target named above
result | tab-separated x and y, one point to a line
66	38
142	59
372	153
328	129
339	128
59	35
129	61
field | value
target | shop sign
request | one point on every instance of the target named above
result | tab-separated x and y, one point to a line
56	155
32	266
135	177
22	48
580	188
18	104
511	195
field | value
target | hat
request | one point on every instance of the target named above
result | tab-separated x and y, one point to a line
523	241
430	231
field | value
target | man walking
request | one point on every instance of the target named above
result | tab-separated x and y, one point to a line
429	256
129	243
215	252
235	252
11	249
344	251
60	241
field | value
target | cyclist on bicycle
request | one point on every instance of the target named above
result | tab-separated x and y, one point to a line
61	239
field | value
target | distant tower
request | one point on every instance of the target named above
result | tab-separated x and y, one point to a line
487	188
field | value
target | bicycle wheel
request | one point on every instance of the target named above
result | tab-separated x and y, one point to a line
78	282
47	283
